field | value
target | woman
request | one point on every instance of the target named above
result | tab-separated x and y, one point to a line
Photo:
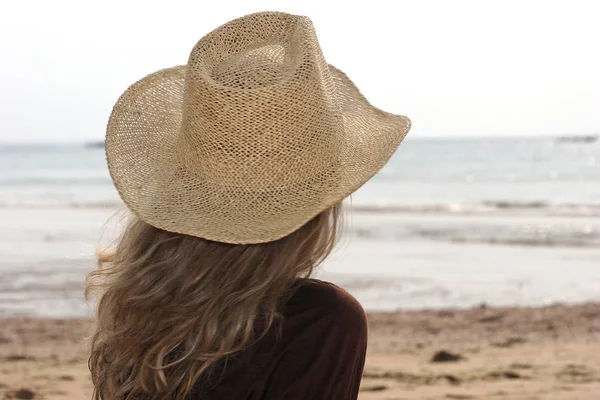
235	166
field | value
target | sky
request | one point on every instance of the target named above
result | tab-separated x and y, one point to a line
456	68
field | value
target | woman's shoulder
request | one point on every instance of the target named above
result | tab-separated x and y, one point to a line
329	300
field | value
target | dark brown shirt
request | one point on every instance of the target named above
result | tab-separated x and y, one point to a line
317	353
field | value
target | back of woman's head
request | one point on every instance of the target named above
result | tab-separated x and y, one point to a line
173	306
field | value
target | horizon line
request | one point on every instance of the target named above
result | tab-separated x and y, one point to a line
92	141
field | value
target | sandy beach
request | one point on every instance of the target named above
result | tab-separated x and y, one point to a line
447	226
480	353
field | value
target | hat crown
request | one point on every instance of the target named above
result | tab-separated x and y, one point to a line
252	138
259	96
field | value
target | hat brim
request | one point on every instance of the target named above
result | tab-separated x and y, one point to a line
141	151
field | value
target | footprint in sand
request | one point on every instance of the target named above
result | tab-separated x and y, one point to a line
21	394
375	388
459	396
445	356
574	373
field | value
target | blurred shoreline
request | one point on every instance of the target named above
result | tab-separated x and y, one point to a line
518	353
388	261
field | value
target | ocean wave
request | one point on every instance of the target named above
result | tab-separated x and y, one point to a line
499	207
561	239
54	181
526	232
486	207
109	204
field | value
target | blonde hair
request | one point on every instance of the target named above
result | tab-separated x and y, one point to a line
172	307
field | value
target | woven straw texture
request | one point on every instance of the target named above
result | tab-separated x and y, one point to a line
252	138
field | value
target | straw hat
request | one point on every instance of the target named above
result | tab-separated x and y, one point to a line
255	136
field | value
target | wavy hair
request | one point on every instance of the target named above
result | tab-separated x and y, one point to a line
171	307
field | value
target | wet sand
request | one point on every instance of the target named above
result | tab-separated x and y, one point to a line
481	353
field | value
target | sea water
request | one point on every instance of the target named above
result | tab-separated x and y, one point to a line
447	223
